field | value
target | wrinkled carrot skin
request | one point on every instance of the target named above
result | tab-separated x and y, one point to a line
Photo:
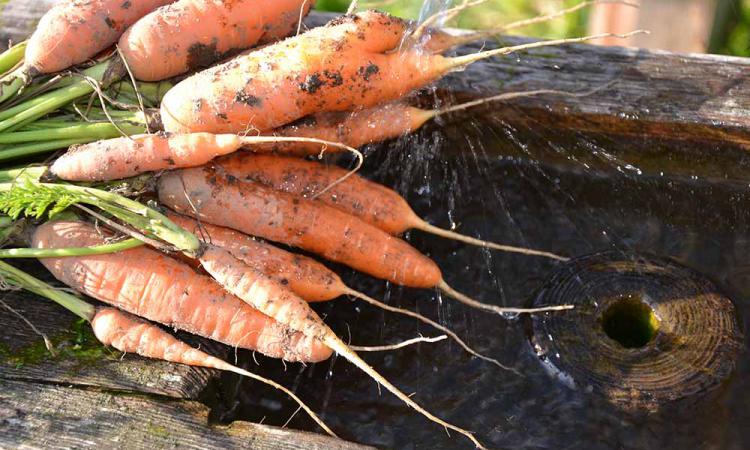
353	128
74	31
306	277
369	201
192	34
262	292
130	334
113	159
338	67
277	216
151	285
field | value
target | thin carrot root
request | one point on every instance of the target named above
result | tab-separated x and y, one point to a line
463	61
424	226
481	34
503	311
337	345
432	323
400	345
278	302
130	334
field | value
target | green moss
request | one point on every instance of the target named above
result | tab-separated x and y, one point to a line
76	343
157	430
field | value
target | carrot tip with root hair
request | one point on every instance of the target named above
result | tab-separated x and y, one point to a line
503	311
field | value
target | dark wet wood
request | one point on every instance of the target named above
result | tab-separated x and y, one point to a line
46	416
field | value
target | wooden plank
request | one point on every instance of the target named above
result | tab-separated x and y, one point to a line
80	359
51	416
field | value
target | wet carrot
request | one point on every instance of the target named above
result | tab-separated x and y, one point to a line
304	276
338	67
282	304
350	193
209	194
192	34
124	157
130	334
149	284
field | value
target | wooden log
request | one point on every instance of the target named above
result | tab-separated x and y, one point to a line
45	416
80	360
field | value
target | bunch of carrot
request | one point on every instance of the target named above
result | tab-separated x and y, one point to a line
222	159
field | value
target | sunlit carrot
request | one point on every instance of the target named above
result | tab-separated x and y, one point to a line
206	193
304	276
154	286
338	67
124	157
353	194
192	34
277	301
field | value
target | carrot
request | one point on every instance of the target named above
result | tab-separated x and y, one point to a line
206	193
149	284
192	34
304	276
280	303
371	125
130	334
338	67
350	193
125	157
71	32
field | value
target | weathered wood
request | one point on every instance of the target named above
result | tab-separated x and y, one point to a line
51	416
80	360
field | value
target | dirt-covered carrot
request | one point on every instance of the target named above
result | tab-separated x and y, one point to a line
72	32
351	193
277	301
304	276
149	284
192	34
125	157
208	194
130	334
338	67
371	125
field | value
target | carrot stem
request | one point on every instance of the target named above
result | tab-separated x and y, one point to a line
102	74
91	131
7	253
11	57
36	148
443	286
32	198
72	303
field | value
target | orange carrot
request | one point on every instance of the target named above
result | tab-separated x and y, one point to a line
206	193
338	67
371	125
371	202
192	34
304	276
76	30
130	334
125	157
151	285
283	305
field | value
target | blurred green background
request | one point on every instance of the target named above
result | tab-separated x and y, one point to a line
731	34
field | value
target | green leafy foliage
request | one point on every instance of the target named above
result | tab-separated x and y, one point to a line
33	200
